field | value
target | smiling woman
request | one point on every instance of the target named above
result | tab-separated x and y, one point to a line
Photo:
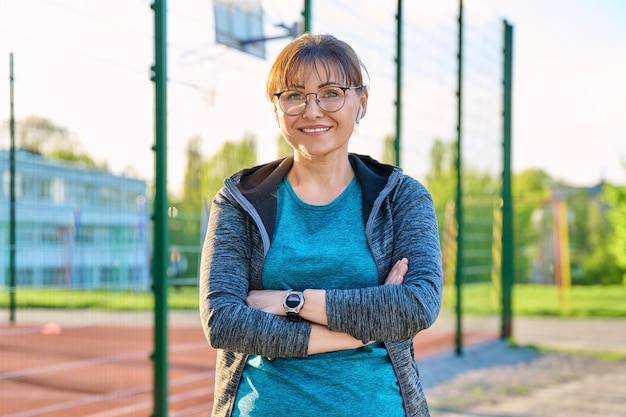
302	275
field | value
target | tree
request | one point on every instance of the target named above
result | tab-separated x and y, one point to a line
441	179
202	179
77	157
616	197
532	191
283	147
389	150
231	157
192	185
42	136
480	195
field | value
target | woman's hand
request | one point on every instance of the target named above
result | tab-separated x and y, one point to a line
397	273
324	340
271	301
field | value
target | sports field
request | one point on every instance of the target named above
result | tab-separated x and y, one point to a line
55	366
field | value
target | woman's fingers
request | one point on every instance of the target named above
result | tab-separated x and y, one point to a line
396	275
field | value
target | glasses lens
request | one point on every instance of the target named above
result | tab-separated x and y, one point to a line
331	99
292	102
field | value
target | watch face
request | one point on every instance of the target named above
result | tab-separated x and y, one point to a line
292	301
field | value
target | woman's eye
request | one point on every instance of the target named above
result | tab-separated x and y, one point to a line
294	96
331	93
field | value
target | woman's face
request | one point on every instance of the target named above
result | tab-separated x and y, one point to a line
315	133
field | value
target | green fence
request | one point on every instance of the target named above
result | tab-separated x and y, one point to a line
109	208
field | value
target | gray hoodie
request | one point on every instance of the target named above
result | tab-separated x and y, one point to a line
400	222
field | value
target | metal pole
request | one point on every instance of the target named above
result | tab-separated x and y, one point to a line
12	220
306	15
458	280
396	144
507	195
161	240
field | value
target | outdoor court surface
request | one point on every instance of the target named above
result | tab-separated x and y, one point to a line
105	370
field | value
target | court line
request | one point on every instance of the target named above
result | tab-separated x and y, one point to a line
116	395
36	329
92	361
112	395
200	392
193	410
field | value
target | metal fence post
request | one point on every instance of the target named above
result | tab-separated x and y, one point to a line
507	198
458	281
161	242
12	231
398	83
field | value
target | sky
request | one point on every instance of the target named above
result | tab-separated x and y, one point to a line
85	65
570	84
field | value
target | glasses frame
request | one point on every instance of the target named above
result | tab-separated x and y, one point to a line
317	100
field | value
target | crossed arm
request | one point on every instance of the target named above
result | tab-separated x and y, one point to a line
321	339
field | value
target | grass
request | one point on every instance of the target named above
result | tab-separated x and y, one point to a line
184	298
605	355
542	301
478	299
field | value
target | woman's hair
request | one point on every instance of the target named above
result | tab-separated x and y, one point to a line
324	52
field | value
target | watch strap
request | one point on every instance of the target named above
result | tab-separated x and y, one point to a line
294	316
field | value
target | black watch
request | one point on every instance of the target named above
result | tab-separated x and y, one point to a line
293	302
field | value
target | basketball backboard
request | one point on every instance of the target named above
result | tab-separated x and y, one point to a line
239	21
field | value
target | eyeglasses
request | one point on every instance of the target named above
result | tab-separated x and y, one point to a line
330	99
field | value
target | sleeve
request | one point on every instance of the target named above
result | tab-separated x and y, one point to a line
232	245
396	312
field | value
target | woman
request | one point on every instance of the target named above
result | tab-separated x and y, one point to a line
319	269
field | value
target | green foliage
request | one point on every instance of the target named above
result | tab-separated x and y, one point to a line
616	198
592	238
42	136
389	150
591	231
192	186
77	157
284	149
231	158
481	192
598	266
596	222
202	179
531	193
441	179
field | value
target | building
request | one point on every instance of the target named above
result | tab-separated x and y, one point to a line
75	227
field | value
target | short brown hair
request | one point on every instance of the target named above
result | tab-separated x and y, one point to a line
308	50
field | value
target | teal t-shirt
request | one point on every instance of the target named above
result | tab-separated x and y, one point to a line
320	247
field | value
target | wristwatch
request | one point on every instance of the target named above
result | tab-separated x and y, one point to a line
293	302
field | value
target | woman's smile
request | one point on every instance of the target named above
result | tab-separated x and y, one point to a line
315	130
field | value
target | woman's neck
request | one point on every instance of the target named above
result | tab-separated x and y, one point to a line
320	182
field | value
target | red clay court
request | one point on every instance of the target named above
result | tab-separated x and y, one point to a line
105	370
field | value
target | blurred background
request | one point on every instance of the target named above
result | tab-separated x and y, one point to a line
82	89
78	104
